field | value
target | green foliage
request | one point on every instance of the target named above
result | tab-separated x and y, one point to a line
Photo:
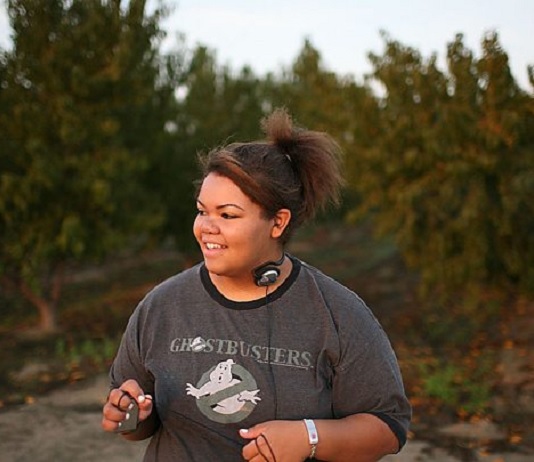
455	351
99	353
460	388
81	98
455	326
321	100
451	174
100	135
213	107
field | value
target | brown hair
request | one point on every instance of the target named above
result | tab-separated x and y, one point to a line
293	168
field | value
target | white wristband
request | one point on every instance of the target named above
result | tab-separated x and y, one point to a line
313	436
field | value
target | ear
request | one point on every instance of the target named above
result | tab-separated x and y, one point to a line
281	220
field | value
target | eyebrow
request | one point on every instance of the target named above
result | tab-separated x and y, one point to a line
223	206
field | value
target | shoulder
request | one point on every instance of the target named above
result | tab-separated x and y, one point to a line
176	287
346	307
329	287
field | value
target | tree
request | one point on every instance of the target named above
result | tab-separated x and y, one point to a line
322	100
213	107
314	95
451	172
81	95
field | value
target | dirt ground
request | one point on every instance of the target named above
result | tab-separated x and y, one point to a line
64	426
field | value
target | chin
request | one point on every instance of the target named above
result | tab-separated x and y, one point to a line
224	272
212	268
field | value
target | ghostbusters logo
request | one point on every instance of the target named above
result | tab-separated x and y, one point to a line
226	393
198	344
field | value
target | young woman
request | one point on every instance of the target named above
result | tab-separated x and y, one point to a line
253	354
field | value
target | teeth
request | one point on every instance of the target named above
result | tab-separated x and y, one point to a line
211	246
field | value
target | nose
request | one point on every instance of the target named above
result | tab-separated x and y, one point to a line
208	226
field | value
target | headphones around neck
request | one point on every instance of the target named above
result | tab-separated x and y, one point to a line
267	273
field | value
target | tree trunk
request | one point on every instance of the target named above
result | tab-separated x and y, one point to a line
47	309
47	316
46	305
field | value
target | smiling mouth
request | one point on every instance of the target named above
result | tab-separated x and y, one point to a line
211	246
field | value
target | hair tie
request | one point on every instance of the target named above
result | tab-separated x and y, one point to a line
286	145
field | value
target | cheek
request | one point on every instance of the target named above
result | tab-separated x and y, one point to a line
258	236
196	228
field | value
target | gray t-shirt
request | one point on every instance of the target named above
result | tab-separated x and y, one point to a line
311	349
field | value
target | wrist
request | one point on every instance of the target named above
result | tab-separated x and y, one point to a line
313	437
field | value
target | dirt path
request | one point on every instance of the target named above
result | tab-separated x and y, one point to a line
64	426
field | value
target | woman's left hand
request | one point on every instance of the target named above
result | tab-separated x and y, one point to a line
276	441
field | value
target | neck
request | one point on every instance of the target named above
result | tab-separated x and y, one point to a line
245	289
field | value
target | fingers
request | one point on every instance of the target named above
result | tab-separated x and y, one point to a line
143	400
258	458
251	433
274	441
125	402
146	405
112	416
134	390
259	449
121	401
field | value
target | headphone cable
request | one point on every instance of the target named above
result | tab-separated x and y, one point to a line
270	324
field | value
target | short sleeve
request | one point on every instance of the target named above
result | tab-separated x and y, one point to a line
129	361
367	378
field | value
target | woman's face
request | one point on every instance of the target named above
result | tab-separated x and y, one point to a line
232	232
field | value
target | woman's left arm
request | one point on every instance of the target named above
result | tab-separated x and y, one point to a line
358	437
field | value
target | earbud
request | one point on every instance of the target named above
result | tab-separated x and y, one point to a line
267	274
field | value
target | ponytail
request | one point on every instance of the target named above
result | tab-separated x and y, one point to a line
315	158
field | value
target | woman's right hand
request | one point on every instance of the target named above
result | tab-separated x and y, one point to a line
119	400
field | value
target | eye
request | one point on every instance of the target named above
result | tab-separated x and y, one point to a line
227	216
200	213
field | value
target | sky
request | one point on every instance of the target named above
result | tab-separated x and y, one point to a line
269	34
